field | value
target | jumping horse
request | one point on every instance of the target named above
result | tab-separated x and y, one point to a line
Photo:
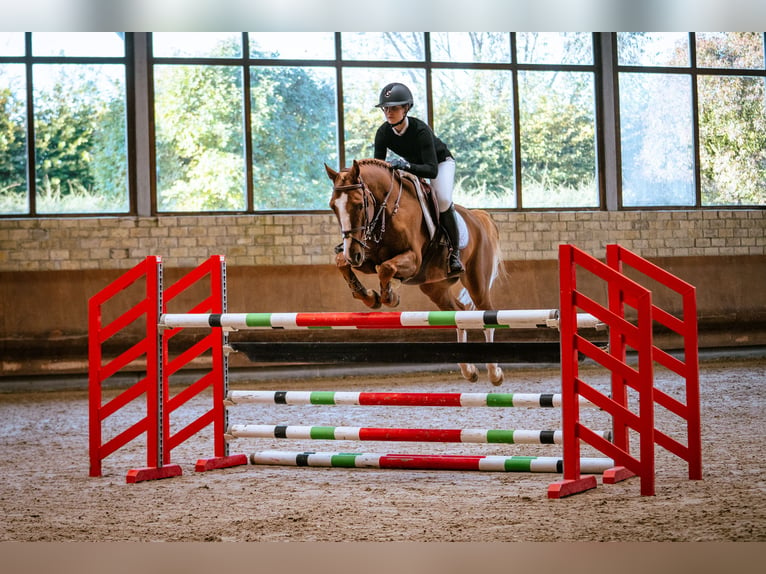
385	232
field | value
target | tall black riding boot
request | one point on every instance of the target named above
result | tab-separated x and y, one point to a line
449	222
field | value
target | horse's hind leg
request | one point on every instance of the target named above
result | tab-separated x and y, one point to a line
493	369
468	370
442	296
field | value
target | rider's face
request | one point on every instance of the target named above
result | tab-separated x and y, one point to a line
394	114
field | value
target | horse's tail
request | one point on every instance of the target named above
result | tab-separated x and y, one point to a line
492	236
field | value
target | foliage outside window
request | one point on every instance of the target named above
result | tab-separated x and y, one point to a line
292	125
659	91
244	122
80	159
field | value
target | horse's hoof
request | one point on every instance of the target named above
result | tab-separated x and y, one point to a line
496	377
394	301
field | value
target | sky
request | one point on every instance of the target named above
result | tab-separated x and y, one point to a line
382	15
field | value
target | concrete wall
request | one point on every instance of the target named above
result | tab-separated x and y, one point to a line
50	267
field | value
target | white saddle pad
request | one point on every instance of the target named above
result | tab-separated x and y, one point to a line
462	227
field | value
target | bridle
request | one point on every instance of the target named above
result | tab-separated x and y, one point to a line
373	213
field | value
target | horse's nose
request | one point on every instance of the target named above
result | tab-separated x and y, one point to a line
356	258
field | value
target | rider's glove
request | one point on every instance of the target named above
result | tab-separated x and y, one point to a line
399	163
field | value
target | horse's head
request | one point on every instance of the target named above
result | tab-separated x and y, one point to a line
352	204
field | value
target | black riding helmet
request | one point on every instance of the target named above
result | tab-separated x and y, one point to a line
395	94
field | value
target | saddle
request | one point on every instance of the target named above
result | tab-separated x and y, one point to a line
428	202
438	247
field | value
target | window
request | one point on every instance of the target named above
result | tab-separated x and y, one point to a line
244	122
692	119
76	140
302	100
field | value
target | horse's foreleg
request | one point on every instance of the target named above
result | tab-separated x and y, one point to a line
469	370
493	369
367	296
404	265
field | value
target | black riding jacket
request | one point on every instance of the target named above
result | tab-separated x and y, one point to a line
418	145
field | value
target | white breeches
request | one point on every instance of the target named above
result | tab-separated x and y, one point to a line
444	183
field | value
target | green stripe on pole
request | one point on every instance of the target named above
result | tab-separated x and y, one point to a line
258	319
436	318
346	460
500	399
519	463
322	433
500	436
322	398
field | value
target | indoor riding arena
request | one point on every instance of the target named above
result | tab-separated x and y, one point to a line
196	374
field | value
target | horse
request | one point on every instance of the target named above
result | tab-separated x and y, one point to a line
385	232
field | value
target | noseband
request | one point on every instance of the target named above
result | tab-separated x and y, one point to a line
369	205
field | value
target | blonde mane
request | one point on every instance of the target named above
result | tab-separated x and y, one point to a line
370	161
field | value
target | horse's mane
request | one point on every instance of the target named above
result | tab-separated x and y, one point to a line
370	162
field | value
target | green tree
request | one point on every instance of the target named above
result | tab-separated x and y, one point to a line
199	138
13	158
732	123
64	130
294	134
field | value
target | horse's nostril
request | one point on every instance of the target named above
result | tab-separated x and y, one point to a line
356	258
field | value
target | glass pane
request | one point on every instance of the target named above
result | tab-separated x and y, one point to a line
13	140
11	43
493	47
732	140
743	50
397	46
197	44
80	138
554	48
293	45
558	139
294	134
473	115
87	44
656	139
361	90
653	48
199	118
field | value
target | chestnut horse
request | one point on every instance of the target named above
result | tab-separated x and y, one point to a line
385	232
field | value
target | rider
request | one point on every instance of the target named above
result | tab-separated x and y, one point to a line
421	153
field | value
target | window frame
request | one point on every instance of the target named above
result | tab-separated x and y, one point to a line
141	153
28	60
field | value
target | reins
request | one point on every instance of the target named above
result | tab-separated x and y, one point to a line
369	203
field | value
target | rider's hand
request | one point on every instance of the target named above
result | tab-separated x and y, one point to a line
399	163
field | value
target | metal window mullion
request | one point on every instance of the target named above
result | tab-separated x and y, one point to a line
516	123
695	121
248	127
142	118
31	144
609	119
340	108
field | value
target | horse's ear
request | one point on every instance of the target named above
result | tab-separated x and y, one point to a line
331	173
355	170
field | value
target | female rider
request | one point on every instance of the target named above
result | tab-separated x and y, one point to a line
422	154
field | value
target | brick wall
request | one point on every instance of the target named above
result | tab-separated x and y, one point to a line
183	241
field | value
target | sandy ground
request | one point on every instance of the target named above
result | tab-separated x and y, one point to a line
47	495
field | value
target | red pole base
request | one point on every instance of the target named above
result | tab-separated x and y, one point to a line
616	474
205	464
153	473
570	487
